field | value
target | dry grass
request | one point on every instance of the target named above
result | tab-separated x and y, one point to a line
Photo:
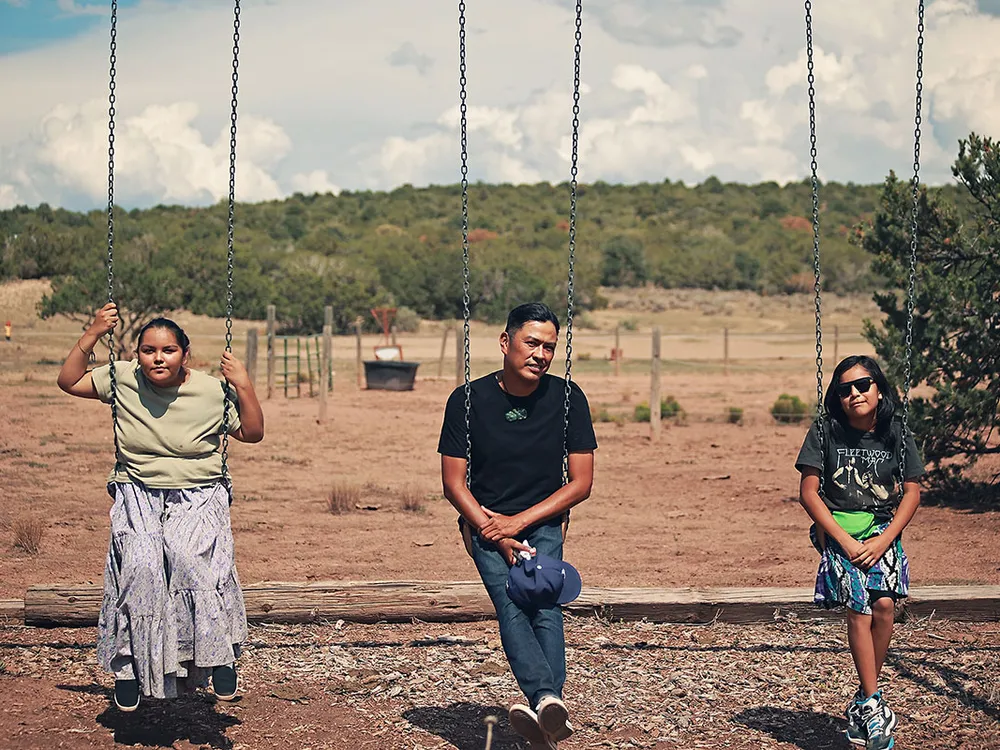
28	534
343	498
411	499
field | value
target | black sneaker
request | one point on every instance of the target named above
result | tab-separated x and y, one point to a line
225	682
127	695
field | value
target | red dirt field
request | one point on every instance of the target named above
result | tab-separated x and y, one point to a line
708	504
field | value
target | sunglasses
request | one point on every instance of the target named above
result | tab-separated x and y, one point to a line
862	384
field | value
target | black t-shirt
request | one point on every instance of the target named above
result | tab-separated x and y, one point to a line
861	469
517	442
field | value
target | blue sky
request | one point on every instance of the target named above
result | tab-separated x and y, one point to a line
344	94
27	24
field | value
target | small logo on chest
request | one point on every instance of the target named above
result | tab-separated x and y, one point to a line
516	415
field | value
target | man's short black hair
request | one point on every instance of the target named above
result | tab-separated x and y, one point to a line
530	312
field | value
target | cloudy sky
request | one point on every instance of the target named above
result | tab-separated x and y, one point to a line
362	94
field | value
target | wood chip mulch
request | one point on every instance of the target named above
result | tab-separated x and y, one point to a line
423	686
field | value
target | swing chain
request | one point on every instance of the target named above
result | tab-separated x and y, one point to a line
463	111
815	226
570	291
112	62
231	253
911	287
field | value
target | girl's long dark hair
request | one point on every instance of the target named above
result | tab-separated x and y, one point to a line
887	406
166	323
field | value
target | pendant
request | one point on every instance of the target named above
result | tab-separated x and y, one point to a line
516	415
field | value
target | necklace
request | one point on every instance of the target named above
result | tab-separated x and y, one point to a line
515	413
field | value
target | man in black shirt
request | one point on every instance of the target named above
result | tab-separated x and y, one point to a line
516	494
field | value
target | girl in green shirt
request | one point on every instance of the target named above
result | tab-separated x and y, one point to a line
173	608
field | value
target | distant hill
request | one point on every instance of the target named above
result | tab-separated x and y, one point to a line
403	247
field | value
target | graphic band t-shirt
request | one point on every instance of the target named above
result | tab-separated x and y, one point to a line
861	469
168	437
517	442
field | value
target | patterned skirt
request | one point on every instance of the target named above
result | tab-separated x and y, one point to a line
839	583
172	607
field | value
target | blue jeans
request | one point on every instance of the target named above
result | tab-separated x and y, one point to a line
533	641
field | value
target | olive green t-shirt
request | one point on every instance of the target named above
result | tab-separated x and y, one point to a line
168	437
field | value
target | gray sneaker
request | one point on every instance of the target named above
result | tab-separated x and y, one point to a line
553	718
879	721
855	732
524	721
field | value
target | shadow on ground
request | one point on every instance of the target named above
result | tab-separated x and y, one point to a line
462	725
808	730
159	723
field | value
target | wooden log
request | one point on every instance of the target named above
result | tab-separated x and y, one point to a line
11	611
464	601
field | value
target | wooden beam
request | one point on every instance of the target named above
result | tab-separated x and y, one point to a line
11	610
463	601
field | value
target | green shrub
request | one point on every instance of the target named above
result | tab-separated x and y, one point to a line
789	409
734	415
407	320
669	409
629	324
603	415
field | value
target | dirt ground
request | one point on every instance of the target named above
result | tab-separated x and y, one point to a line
780	686
707	504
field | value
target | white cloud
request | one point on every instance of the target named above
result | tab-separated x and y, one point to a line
330	95
406	55
9	197
317	181
158	153
72	8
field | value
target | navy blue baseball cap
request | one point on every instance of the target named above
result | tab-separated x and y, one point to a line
542	581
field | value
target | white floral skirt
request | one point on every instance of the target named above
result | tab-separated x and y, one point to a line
173	607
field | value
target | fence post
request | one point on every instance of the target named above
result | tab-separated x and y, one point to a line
298	366
324	372
357	352
252	355
309	363
284	367
328	345
270	350
654	388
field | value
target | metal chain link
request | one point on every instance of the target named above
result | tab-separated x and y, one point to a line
817	276
911	288
463	111
570	292
112	62
230	256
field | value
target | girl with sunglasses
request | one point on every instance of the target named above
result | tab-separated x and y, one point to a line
860	496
